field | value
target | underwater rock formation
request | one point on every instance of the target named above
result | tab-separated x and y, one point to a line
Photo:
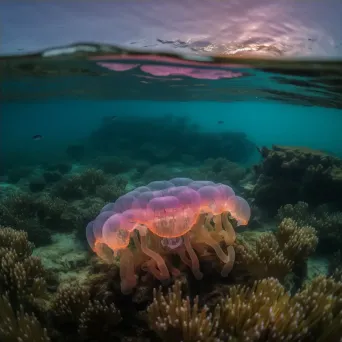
291	174
168	218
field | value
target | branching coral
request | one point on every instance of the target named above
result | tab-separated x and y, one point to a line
176	319
328	224
275	255
69	303
264	260
21	275
35	214
74	311
19	326
99	314
264	312
78	186
296	242
260	313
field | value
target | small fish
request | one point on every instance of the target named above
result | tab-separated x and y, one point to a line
220	122
113	117
37	137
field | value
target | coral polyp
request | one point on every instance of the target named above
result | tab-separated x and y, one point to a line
167	217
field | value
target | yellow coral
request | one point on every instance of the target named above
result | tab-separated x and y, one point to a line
175	319
21	326
276	254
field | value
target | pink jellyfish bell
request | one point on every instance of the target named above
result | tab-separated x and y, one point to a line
239	209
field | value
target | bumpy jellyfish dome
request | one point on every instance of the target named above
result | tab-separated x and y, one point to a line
199	184
174	215
181	181
239	209
159	185
169	209
210	199
116	231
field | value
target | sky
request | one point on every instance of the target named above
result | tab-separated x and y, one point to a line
289	27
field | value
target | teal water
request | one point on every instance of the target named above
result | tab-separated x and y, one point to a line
286	103
233	169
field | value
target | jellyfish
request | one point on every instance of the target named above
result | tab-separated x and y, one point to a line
239	209
167	217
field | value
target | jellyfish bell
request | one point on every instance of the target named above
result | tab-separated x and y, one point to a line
90	235
170	219
196	185
124	202
108	207
137	217
159	185
188	198
142	189
99	222
239	209
116	231
181	181
226	192
210	199
141	201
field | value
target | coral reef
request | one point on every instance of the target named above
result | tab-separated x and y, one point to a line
291	174
176	319
262	312
76	314
259	310
18	325
223	170
277	254
78	186
66	206
327	223
22	276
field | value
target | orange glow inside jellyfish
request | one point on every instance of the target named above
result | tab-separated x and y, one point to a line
116	231
172	216
239	209
210	199
222	202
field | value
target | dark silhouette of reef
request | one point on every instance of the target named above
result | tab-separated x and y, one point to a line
168	138
291	174
65	205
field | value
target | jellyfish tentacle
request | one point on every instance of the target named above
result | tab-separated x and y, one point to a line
202	229
127	274
228	266
228	231
195	267
164	272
